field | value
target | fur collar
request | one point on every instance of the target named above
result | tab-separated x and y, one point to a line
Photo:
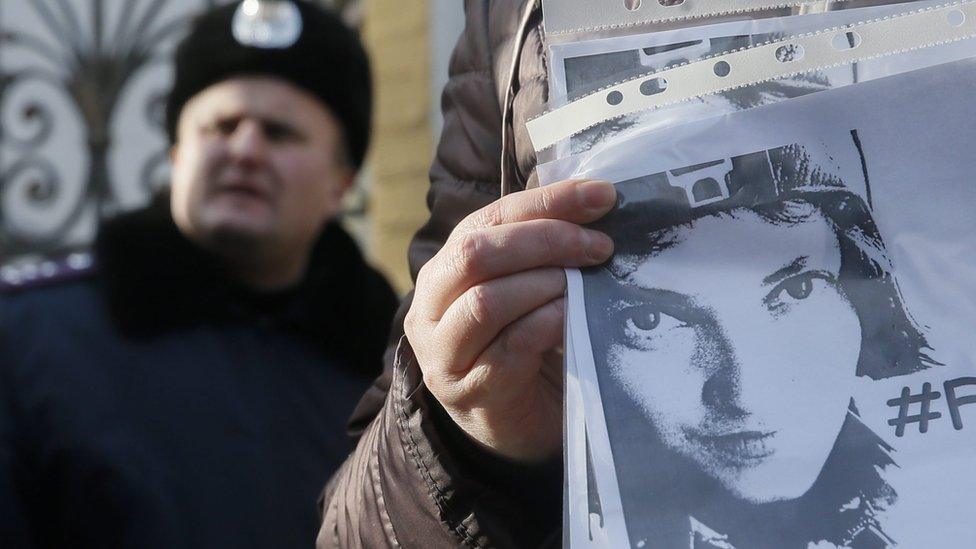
156	280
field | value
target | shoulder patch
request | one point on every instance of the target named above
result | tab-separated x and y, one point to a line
44	273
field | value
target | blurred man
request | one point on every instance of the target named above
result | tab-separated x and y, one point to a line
190	388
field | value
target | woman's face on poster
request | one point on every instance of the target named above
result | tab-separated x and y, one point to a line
739	345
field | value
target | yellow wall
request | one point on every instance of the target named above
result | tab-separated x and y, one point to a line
396	34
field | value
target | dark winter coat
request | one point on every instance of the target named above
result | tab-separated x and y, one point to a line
148	401
414	480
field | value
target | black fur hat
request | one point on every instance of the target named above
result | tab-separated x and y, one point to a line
291	39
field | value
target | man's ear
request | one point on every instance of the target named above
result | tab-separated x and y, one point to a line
174	151
343	183
345	179
348	179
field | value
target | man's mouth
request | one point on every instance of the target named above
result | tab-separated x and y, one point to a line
244	189
740	449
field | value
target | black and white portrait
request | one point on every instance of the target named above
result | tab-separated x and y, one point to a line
775	355
745	297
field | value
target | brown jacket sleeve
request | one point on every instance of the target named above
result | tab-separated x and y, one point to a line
411	482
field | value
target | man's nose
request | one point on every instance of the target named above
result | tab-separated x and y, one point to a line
248	143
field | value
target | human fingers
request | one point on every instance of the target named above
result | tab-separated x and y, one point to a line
503	250
576	201
533	335
511	401
484	310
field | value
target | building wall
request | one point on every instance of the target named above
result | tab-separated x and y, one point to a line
409	43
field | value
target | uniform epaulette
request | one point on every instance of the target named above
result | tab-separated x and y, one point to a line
40	274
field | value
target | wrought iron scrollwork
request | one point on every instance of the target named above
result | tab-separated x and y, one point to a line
32	123
30	182
89	70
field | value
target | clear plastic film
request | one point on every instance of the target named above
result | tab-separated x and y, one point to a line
579	20
580	68
630	75
779	353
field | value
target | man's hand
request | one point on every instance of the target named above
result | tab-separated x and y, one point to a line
486	323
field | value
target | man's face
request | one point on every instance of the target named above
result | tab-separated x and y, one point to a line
739	346
258	164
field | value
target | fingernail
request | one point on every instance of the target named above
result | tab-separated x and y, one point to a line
599	246
597	195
